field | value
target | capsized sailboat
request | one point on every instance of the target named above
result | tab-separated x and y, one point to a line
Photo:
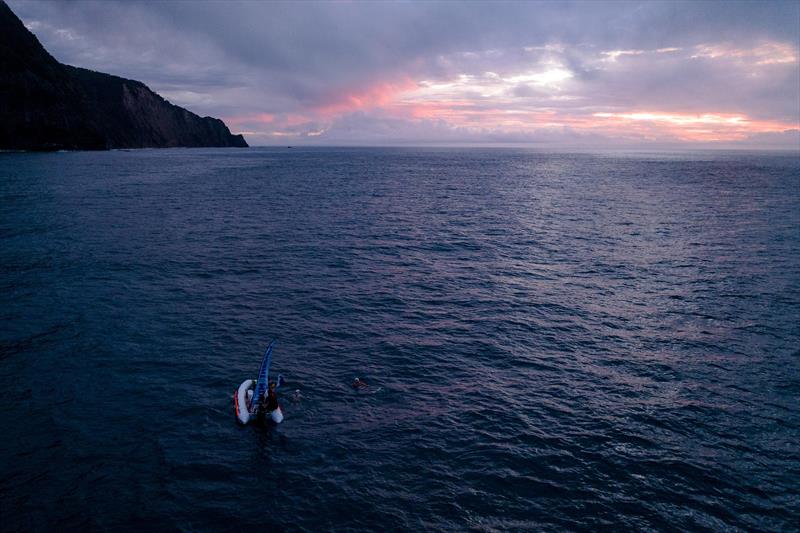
245	399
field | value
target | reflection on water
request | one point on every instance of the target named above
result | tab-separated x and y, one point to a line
559	341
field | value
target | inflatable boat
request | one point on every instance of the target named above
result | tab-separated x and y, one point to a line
245	399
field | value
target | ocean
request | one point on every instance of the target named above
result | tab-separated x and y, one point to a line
553	341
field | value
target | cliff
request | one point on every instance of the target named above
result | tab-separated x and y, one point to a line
45	105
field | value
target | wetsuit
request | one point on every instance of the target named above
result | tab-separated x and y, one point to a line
272	401
261	412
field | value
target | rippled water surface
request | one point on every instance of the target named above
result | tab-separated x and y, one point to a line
553	341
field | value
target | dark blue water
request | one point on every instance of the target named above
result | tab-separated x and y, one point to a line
554	341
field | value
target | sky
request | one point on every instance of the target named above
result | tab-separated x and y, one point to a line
561	74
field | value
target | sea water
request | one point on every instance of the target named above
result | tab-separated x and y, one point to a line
552	340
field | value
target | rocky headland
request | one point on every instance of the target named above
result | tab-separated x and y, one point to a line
46	105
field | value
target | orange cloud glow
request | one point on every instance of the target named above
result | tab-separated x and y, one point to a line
770	53
647	125
691	126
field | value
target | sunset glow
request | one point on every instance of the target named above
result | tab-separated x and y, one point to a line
588	73
547	97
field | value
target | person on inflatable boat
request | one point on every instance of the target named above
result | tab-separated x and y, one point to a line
272	397
267	403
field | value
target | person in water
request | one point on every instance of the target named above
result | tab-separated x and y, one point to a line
359	384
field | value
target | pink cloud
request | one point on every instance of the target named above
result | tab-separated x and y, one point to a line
381	94
258	118
538	99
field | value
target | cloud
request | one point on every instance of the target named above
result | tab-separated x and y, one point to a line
451	72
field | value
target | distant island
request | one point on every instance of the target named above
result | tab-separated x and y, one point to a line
46	105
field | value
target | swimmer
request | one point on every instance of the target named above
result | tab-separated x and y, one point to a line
296	396
358	384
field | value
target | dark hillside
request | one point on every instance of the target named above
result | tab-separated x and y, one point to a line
45	105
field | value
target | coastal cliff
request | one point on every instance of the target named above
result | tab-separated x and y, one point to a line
45	105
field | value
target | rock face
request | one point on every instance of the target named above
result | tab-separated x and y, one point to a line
45	105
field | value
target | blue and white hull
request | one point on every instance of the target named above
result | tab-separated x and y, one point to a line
243	404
